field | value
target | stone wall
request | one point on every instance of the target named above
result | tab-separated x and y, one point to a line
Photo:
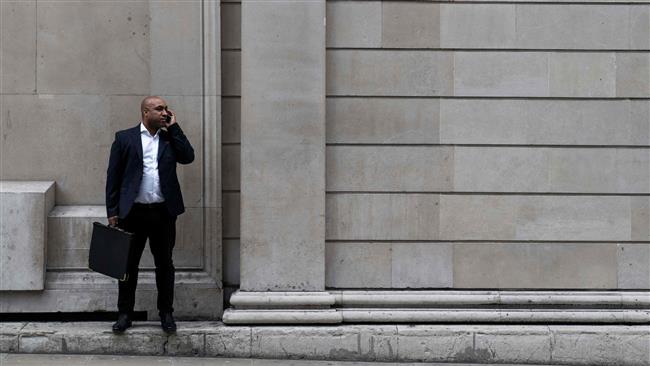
475	145
73	73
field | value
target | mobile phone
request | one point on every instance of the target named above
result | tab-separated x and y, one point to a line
168	118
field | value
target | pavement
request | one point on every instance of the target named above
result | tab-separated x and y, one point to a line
13	359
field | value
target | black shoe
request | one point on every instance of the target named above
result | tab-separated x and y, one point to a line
167	322
123	323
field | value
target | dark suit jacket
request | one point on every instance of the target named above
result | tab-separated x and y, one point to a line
124	173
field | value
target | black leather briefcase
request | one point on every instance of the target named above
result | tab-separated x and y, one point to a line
109	251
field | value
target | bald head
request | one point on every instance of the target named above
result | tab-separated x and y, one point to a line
148	103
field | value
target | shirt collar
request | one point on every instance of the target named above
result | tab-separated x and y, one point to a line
144	130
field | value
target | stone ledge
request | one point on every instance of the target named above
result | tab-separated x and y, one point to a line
522	344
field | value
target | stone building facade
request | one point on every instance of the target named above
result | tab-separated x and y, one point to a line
357	161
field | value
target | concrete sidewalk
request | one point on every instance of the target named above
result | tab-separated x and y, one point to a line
108	360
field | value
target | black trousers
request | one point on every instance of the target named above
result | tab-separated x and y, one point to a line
151	222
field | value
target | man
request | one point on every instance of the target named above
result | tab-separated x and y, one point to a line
143	197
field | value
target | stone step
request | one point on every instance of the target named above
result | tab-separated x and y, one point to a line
519	344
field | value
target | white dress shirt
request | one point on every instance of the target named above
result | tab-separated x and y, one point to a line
150	186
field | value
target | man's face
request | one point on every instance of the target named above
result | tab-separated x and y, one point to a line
156	113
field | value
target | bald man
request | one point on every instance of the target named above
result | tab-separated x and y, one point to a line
143	197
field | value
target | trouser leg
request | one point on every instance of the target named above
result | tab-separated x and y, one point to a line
161	241
133	223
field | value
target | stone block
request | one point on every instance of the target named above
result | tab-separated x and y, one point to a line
230	215
410	24
535	266
69	233
513	344
230	120
230	166
175	41
382	120
530	169
529	217
613	345
18	47
633	75
358	265
477	25
325	343
190	246
544	122
231	261
8	343
382	216
421	343
184	343
582	74
231	341
354	24
516	74
422	265
640	28
43	343
573	26
106	48
389	168
389	73
24	206
230	25
633	266
230	73
640	226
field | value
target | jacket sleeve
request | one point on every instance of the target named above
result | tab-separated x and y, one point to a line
114	178
182	147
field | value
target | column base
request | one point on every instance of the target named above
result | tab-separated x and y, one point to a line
282	308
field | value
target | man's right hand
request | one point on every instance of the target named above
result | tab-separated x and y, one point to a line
112	221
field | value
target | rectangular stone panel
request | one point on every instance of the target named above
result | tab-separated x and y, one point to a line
530	217
389	168
383	72
24	206
633	74
382	216
358	265
382	120
70	231
230	25
640	27
509	343
545	122
422	265
535	265
354	24
572	26
419	343
530	169
230	120
231	262
582	74
230	215
410	24
175	43
18	46
107	47
282	147
633	266
517	74
579	343
230	172
230	73
84	125
477	25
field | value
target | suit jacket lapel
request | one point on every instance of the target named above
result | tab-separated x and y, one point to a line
162	143
137	141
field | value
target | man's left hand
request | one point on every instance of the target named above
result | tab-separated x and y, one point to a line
173	118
